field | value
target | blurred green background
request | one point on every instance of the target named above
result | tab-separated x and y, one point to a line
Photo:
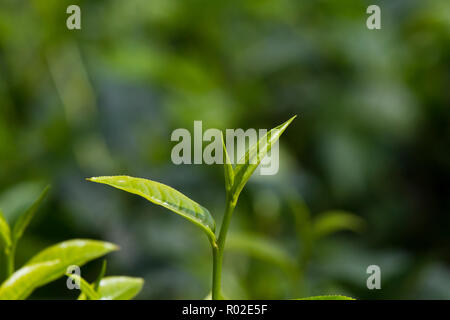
372	137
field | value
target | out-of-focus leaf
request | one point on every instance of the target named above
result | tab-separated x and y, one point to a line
120	288
22	282
165	196
5	233
73	252
330	297
254	155
302	217
228	168
15	200
262	248
25	218
85	287
333	221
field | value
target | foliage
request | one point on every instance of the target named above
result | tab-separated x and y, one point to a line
373	139
51	263
235	180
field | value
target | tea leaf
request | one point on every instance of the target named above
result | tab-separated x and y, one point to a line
96	283
22	282
15	200
100	276
329	297
5	233
24	220
72	252
165	196
85	287
229	173
302	215
333	221
254	155
120	288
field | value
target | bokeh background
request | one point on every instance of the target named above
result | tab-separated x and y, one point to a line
372	137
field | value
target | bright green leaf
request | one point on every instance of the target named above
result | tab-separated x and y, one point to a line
24	220
100	276
330	297
96	283
22	282
262	248
229	172
72	252
5	234
254	155
165	196
85	287
120	288
333	221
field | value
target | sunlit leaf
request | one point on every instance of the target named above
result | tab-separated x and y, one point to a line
73	252
85	287
334	221
24	220
165	196
100	275
262	248
96	283
119	288
22	282
5	233
329	297
254	155
229	171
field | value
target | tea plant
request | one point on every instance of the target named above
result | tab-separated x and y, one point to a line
235	180
52	263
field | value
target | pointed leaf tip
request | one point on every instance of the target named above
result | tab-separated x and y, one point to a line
24	220
254	155
165	196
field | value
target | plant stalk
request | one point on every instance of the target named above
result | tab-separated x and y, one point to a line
10	261
218	250
7	263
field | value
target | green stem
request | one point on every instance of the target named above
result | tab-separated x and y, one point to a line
10	261
218	250
7	263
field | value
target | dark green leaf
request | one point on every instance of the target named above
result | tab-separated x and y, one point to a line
24	220
262	248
